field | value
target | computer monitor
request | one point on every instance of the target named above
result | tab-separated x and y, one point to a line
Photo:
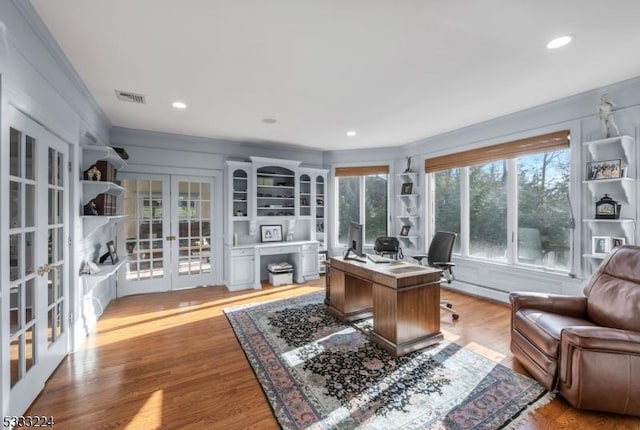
355	242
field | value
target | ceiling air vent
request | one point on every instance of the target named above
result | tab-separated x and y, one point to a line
127	96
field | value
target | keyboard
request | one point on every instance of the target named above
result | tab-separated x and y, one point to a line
377	258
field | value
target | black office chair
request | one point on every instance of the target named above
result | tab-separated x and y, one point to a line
388	247
439	256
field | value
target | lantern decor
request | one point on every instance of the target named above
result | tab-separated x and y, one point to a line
607	208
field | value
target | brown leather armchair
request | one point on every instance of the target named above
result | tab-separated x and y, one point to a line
586	348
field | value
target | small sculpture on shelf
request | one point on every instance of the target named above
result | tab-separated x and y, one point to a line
93	173
408	169
606	116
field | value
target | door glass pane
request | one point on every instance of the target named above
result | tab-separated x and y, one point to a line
52	166
14	352
15	204
30	172
30	205
15	307
15	160
15	257
29	347
59	207
30	300
60	242
51	287
29	253
59	328
50	245
50	322
52	206
447	203
205	191
488	210
59	169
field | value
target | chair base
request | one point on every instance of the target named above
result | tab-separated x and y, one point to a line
447	306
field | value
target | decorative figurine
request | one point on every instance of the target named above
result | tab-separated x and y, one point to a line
408	169
606	116
93	174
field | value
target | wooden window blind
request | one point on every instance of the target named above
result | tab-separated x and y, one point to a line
501	151
361	170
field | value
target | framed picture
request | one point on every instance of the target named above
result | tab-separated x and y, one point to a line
111	248
404	231
618	241
407	187
608	169
271	233
601	245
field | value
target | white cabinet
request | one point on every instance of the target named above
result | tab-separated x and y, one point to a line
616	183
241	273
408	217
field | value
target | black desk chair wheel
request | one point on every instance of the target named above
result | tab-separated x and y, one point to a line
439	256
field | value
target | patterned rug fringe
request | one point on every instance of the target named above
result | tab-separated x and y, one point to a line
529	410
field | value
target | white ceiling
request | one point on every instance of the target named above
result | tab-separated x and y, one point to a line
394	71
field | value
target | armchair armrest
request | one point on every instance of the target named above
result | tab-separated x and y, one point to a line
603	339
599	340
575	306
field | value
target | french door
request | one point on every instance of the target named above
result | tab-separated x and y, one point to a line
168	233
38	254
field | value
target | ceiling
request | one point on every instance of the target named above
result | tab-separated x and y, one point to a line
393	71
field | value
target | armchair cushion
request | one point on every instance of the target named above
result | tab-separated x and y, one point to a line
544	329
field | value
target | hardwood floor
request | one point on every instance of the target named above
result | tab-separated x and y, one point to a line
171	360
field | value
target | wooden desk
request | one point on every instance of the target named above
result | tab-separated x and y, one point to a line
403	298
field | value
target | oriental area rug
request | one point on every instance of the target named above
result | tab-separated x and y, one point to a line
320	373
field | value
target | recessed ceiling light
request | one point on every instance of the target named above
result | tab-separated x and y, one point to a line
351	133
179	105
559	42
269	120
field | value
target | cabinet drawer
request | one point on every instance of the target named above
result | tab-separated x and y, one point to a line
310	247
241	252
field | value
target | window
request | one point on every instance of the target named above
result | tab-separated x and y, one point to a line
508	203
544	215
362	198
447	203
488	210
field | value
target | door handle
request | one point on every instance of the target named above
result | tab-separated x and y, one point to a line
170	238
45	269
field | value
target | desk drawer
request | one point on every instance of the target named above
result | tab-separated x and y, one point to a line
310	247
241	252
280	250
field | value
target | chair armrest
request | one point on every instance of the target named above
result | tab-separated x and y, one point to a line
448	264
564	305
598	341
603	339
